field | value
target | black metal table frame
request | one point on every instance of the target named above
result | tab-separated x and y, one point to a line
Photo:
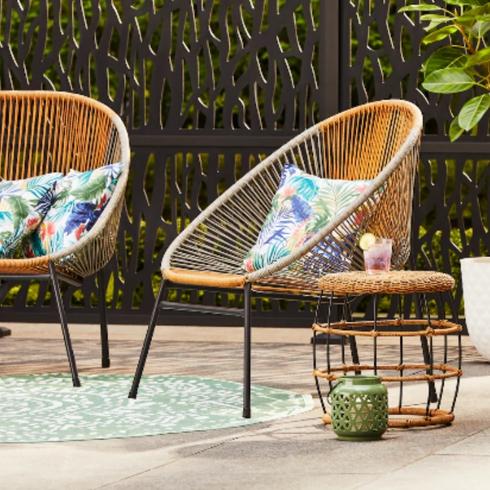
427	348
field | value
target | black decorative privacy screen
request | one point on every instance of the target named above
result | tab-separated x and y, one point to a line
208	88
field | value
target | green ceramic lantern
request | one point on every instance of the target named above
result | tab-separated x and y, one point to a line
359	408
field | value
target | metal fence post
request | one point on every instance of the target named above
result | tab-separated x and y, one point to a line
329	57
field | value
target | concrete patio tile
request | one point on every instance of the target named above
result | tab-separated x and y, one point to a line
448	472
73	466
186	477
485	432
90	464
289	454
305	455
477	445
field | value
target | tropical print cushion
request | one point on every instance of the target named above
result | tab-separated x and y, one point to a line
302	206
80	198
23	204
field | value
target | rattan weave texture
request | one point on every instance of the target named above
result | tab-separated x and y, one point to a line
393	282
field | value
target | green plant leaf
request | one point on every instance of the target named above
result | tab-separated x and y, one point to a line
432	25
482	56
420	7
471	16
480	28
446	57
455	131
466	2
473	111
436	17
443	18
435	20
439	34
448	81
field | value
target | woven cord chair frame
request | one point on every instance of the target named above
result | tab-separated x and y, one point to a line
43	132
377	141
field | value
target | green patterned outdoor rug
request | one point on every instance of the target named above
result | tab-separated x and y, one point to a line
40	408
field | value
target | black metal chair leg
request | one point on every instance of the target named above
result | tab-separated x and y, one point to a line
64	325
133	393
4	331
247	353
104	335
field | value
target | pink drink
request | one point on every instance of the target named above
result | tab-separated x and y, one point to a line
378	257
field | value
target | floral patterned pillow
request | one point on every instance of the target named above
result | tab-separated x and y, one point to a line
23	204
80	198
302	206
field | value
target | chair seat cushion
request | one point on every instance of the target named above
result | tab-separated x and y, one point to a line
302	206
23	204
80	198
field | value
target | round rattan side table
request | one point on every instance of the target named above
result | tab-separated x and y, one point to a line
438	364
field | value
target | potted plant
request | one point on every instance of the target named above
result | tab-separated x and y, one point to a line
462	66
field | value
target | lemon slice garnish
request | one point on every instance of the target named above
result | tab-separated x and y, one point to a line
367	241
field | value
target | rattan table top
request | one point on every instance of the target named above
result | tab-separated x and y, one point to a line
393	282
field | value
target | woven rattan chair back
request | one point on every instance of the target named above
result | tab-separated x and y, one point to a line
377	141
360	144
42	132
45	132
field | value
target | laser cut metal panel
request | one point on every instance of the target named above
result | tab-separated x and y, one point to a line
207	88
381	58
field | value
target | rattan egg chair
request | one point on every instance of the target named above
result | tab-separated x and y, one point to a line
43	132
377	141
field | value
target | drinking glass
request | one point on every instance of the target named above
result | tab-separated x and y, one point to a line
377	258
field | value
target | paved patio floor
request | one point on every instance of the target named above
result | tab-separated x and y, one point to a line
293	453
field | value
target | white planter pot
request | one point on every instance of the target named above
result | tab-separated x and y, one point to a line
476	292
